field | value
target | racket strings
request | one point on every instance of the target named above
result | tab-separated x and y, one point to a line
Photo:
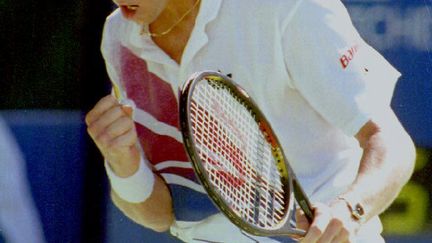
213	144
238	159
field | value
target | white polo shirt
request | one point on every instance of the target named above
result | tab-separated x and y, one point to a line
302	61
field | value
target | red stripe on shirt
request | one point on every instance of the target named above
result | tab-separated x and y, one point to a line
149	92
156	97
160	148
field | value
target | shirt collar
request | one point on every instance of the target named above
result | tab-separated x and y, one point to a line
144	47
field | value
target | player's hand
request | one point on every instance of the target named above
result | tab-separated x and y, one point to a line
332	224
111	127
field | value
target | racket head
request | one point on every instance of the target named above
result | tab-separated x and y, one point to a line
283	187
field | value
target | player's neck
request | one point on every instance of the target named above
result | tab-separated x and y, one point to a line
173	12
174	42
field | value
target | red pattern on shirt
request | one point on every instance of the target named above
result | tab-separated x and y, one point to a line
156	97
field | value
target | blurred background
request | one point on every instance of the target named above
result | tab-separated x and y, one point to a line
52	73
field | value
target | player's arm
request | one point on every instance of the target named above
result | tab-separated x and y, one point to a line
155	213
386	165
112	129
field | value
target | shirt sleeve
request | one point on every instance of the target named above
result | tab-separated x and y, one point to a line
344	79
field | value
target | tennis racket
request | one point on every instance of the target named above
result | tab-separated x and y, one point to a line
237	157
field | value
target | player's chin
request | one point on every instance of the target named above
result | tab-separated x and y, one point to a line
136	15
142	21
127	12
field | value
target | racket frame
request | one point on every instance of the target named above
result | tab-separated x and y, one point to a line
292	187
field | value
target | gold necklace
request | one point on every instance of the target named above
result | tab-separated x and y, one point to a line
145	30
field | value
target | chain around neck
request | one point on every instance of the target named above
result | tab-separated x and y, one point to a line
145	29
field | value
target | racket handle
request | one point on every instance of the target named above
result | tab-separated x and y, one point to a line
303	201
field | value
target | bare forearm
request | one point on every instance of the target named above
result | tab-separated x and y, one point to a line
386	165
154	213
112	128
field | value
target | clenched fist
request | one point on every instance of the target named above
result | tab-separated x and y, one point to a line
111	127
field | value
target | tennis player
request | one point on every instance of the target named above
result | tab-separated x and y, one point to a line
325	91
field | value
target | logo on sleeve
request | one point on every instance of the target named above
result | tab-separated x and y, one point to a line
348	56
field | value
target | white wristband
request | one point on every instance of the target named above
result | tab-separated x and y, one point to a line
135	188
